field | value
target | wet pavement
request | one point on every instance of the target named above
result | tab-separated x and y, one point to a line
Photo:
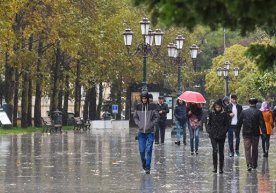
108	161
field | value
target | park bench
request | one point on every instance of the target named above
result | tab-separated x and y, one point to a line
47	124
81	124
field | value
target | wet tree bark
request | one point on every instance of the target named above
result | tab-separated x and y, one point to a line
25	90
55	79
30	103
9	86
100	102
38	88
66	94
77	91
15	109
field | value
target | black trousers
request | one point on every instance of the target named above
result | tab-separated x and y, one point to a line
160	131
218	148
265	143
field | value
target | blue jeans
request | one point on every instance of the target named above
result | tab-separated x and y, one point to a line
194	138
145	147
181	125
231	130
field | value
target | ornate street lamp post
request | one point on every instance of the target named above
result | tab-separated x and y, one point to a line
225	73
174	51
150	39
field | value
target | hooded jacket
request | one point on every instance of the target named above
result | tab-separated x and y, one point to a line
218	121
145	117
217	125
180	112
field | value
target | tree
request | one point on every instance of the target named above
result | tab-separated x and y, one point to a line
242	15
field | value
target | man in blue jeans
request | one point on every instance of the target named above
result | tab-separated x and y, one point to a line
180	120
145	117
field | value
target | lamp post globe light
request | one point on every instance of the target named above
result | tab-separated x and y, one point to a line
225	73
174	51
150	39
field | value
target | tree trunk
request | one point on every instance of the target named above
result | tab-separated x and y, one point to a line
86	107
15	109
77	91
93	103
30	104
55	80
66	95
25	90
100	102
9	86
38	89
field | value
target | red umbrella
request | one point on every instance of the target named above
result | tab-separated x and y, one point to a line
192	97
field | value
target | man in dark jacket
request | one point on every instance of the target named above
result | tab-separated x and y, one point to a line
233	110
180	120
162	108
145	117
252	120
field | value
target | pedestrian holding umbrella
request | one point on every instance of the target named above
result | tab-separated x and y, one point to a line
194	114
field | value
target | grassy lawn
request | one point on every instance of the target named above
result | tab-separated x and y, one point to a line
17	130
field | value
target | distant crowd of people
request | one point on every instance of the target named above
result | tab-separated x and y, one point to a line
225	117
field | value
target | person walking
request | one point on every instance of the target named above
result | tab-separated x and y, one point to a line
162	108
194	116
252	120
217	129
269	124
234	110
180	120
225	101
145	117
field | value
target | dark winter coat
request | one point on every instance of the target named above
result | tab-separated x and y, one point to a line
180	113
196	111
252	120
145	117
165	109
217	125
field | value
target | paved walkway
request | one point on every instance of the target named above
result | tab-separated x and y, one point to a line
108	161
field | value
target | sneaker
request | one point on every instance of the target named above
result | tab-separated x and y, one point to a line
147	171
237	153
144	166
192	153
231	154
214	170
196	152
249	168
221	171
177	142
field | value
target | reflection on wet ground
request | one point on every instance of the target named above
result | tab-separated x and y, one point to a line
108	161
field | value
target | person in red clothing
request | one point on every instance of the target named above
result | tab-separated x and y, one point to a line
269	124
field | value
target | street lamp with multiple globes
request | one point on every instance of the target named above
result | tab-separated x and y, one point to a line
174	51
146	46
225	73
